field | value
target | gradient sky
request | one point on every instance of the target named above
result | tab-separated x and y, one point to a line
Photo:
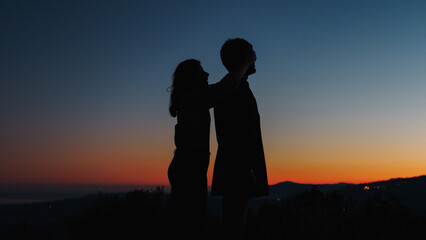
340	85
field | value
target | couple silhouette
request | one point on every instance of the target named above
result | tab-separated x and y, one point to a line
240	170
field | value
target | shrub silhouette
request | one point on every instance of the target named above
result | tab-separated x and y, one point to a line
310	214
316	215
140	213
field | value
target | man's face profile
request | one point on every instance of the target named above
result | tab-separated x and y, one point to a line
252	67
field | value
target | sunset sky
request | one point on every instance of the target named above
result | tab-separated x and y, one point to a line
340	86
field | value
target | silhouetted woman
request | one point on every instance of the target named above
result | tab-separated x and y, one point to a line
190	101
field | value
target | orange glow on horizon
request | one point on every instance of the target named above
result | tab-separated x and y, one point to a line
131	167
134	161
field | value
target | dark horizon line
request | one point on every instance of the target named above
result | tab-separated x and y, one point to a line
154	186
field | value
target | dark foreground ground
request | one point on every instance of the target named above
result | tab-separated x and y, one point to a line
349	213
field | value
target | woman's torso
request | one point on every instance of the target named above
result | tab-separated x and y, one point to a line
192	131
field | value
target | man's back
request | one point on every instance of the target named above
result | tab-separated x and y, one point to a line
240	163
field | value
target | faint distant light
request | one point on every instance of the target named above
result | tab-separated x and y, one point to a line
278	199
366	188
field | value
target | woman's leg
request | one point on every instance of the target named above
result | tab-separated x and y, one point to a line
188	203
188	178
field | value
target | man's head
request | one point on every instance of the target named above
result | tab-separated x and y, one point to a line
234	52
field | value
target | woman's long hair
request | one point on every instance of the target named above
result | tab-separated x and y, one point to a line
185	77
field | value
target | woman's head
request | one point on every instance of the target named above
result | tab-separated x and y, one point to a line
188	75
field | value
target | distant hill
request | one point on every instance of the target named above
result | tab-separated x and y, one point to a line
410	192
286	189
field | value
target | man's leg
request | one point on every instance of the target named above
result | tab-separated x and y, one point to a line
235	211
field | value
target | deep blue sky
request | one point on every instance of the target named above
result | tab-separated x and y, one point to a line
328	73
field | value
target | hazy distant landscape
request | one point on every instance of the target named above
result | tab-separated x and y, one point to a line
29	193
396	199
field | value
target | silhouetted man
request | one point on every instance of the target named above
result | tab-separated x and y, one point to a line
240	170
